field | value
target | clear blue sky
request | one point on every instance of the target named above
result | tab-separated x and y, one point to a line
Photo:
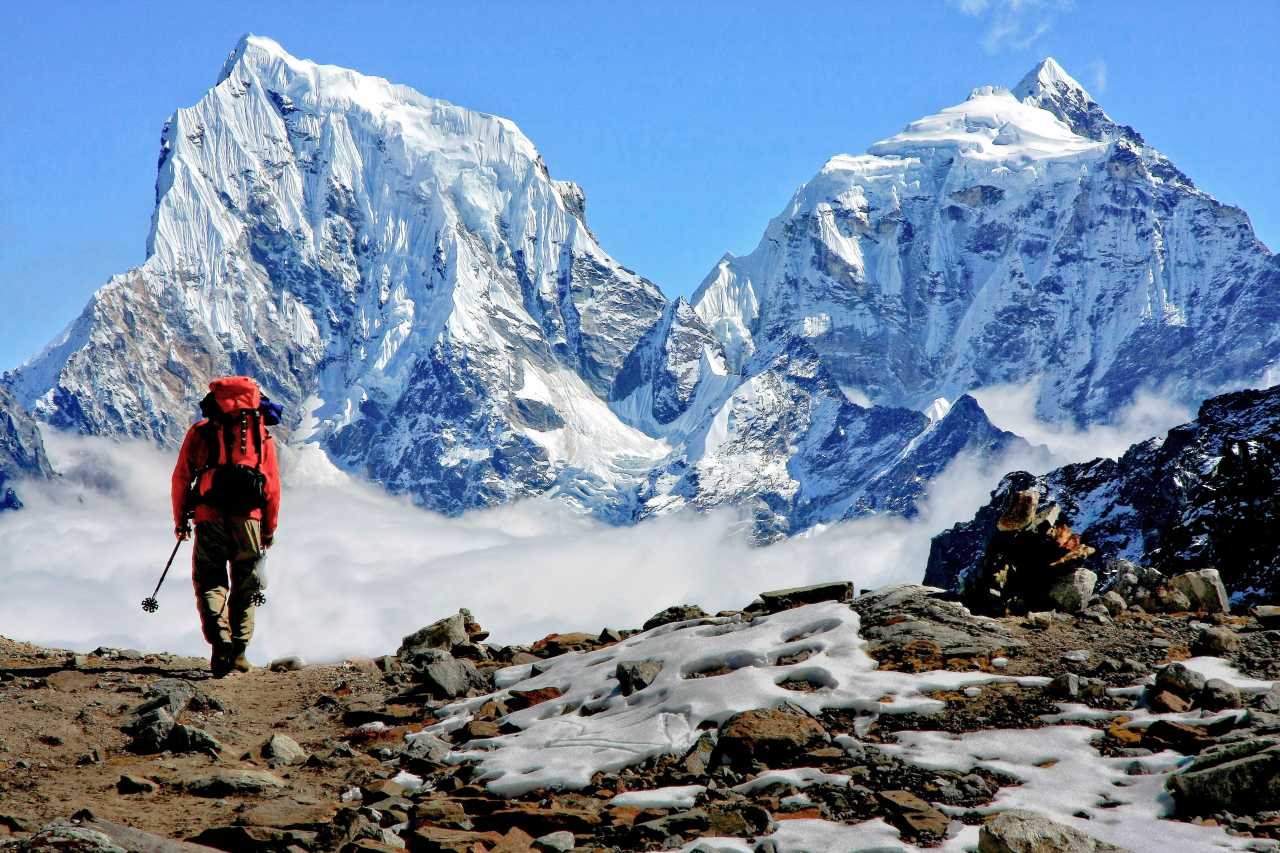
688	124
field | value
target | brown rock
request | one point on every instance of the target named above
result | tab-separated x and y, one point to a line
1166	734
436	839
521	699
1164	701
476	729
913	816
772	737
440	811
577	814
515	841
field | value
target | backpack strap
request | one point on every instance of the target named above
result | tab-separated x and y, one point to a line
256	416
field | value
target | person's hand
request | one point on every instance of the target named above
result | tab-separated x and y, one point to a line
183	533
268	540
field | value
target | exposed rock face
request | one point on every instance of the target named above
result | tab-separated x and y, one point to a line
1206	495
21	450
933	264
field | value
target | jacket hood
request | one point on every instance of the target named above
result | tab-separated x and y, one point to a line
233	393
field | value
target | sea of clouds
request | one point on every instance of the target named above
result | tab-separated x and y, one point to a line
355	569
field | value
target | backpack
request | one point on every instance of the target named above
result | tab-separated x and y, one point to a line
238	487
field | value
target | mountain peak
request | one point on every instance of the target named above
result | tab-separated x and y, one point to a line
1048	75
248	43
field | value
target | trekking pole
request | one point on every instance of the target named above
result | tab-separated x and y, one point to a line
150	604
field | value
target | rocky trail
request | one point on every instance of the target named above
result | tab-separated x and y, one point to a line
812	720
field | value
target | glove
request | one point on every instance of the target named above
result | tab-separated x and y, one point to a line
268	539
182	533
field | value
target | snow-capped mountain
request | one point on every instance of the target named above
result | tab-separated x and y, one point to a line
22	453
1016	235
1207	494
433	309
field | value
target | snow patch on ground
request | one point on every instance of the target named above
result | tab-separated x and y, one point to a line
557	747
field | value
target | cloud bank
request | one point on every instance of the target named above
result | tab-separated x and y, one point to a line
355	569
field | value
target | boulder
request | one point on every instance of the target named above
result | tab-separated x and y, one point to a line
282	749
900	622
191	739
774	737
1071	592
1114	602
232	783
675	613
634	676
1204	590
914	818
1219	695
150	732
1176	678
442	635
446	677
1218	640
135	785
785	599
555	842
1242	778
292	663
1021	831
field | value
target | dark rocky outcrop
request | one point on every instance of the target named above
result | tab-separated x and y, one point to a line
1206	495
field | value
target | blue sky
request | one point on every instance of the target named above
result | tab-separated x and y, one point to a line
688	124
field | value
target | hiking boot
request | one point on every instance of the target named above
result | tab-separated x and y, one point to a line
221	661
237	661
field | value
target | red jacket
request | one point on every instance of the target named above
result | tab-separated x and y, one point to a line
232	394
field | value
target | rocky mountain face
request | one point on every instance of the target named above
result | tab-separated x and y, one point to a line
433	309
1018	234
21	450
1207	494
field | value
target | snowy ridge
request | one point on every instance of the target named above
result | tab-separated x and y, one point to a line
1015	234
408	272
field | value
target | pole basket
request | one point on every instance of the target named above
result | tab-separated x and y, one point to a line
150	605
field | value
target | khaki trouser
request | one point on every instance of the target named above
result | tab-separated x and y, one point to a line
225	600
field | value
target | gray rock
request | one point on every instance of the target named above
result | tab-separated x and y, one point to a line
136	785
1203	589
172	694
1269	702
150	732
425	747
1071	593
697	761
282	749
65	835
442	635
449	678
233	783
1241	777
900	615
634	676
675	613
191	739
293	663
1218	640
555	842
1176	678
1268	615
1022	831
1114	602
784	599
1219	695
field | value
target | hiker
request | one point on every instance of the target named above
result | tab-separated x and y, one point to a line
228	480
